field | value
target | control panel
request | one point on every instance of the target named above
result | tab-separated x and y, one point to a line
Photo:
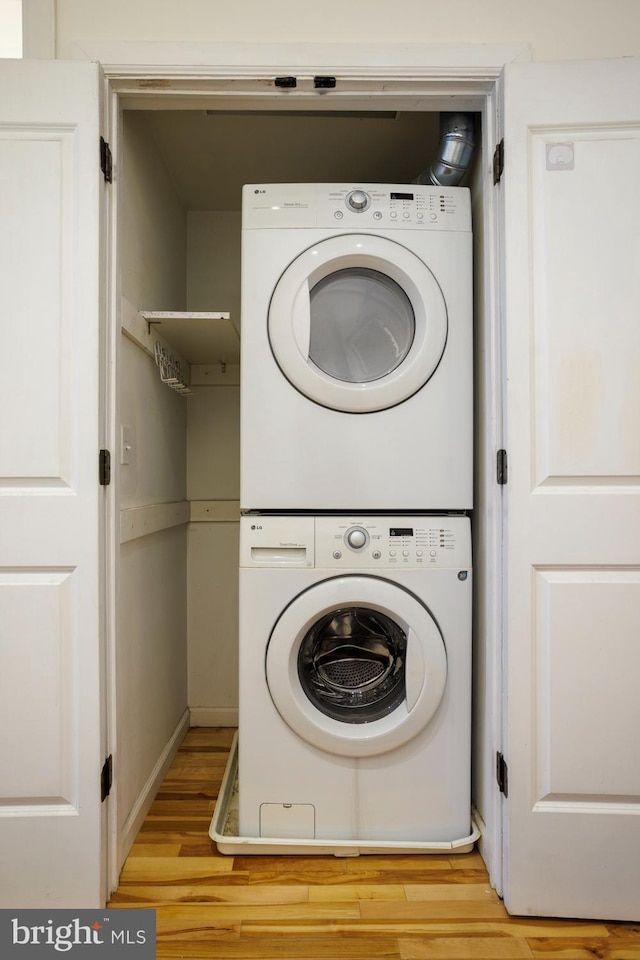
355	542
383	542
402	206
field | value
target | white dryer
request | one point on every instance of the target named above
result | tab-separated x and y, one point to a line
355	677
356	352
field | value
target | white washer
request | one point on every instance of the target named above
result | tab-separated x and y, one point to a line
355	677
356	348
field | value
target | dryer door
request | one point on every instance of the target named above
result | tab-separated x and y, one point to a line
356	666
357	323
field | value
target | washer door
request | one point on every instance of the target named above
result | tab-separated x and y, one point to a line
357	323
356	666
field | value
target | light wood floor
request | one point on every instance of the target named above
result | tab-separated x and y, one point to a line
290	908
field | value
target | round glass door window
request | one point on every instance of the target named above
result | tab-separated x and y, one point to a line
362	325
351	664
356	665
357	323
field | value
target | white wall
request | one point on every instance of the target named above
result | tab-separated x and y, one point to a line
151	645
213	623
213	261
213	473
175	260
151	670
153	225
157	419
555	29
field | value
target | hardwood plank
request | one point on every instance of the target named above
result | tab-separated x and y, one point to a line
625	931
210	893
360	891
189	791
339	870
193	922
468	928
467	861
197	847
584	948
429	929
201	808
195	766
328	864
283	948
228	879
451	891
209	737
209	774
464	948
170	828
161	870
457	910
453	878
155	850
351	876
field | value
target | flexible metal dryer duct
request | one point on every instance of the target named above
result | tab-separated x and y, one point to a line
457	140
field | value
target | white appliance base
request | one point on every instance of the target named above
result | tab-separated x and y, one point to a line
224	822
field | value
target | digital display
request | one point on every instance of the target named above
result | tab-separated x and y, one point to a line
402	196
401	532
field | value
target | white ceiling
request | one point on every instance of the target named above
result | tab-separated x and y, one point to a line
210	156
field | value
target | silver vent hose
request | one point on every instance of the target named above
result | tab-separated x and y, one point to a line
457	140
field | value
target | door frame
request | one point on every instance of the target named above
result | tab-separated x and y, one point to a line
429	77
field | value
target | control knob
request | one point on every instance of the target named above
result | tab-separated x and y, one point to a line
358	200
356	538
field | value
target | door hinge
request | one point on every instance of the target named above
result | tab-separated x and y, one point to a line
105	468
324	83
106	162
498	162
501	467
106	778
502	774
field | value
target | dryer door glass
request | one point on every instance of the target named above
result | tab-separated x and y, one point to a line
357	323
351	664
362	325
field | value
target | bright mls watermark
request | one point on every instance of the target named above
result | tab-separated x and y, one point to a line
79	934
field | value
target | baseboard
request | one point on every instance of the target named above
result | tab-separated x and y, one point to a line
214	716
488	851
148	793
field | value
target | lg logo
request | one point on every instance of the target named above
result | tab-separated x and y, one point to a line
256	526
259	191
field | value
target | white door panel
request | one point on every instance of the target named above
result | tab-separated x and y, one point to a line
50	705
572	208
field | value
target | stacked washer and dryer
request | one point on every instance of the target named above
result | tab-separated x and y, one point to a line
355	544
